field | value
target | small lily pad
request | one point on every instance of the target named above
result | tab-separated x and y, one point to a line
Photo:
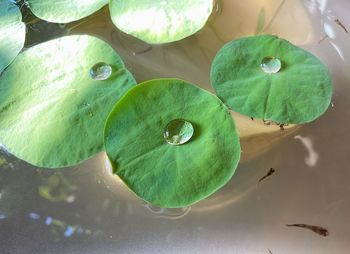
64	11
52	112
160	21
12	31
172	174
269	78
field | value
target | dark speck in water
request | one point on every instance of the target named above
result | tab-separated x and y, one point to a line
316	229
341	25
271	171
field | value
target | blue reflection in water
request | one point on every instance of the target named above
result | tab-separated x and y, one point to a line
58	227
2	216
48	220
34	216
69	231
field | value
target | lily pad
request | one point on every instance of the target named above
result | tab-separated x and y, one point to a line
292	86
64	11
160	21
181	173
52	112
12	31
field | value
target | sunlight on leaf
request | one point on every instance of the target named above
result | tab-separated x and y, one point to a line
269	78
160	21
64	11
164	174
52	112
12	33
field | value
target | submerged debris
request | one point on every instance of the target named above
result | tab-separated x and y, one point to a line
266	122
281	125
149	48
316	229
323	38
271	171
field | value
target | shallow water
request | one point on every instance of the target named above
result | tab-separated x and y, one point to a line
85	209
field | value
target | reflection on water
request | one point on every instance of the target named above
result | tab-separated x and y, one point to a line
312	157
91	211
166	213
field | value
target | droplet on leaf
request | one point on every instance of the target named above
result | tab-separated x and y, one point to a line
101	71
271	65
178	132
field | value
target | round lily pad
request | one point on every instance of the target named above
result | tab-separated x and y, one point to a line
12	31
177	171
160	21
52	112
269	78
64	11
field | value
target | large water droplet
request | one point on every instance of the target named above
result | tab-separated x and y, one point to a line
271	65
178	132
101	71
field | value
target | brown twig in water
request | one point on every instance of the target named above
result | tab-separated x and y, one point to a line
316	229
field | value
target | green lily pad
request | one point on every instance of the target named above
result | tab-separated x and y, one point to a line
52	112
295	86
162	169
12	31
160	21
64	11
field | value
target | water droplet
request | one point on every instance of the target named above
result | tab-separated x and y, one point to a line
100	71
178	132
271	65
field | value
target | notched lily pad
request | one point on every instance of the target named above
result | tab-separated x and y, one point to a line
269	78
64	11
12	33
52	112
163	169
160	21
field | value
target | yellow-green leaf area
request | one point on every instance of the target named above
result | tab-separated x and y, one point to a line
160	21
52	112
269	78
64	11
12	33
165	174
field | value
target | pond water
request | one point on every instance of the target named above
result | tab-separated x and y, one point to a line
85	209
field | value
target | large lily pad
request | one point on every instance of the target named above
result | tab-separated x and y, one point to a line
12	33
164	174
64	11
298	93
160	21
52	112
